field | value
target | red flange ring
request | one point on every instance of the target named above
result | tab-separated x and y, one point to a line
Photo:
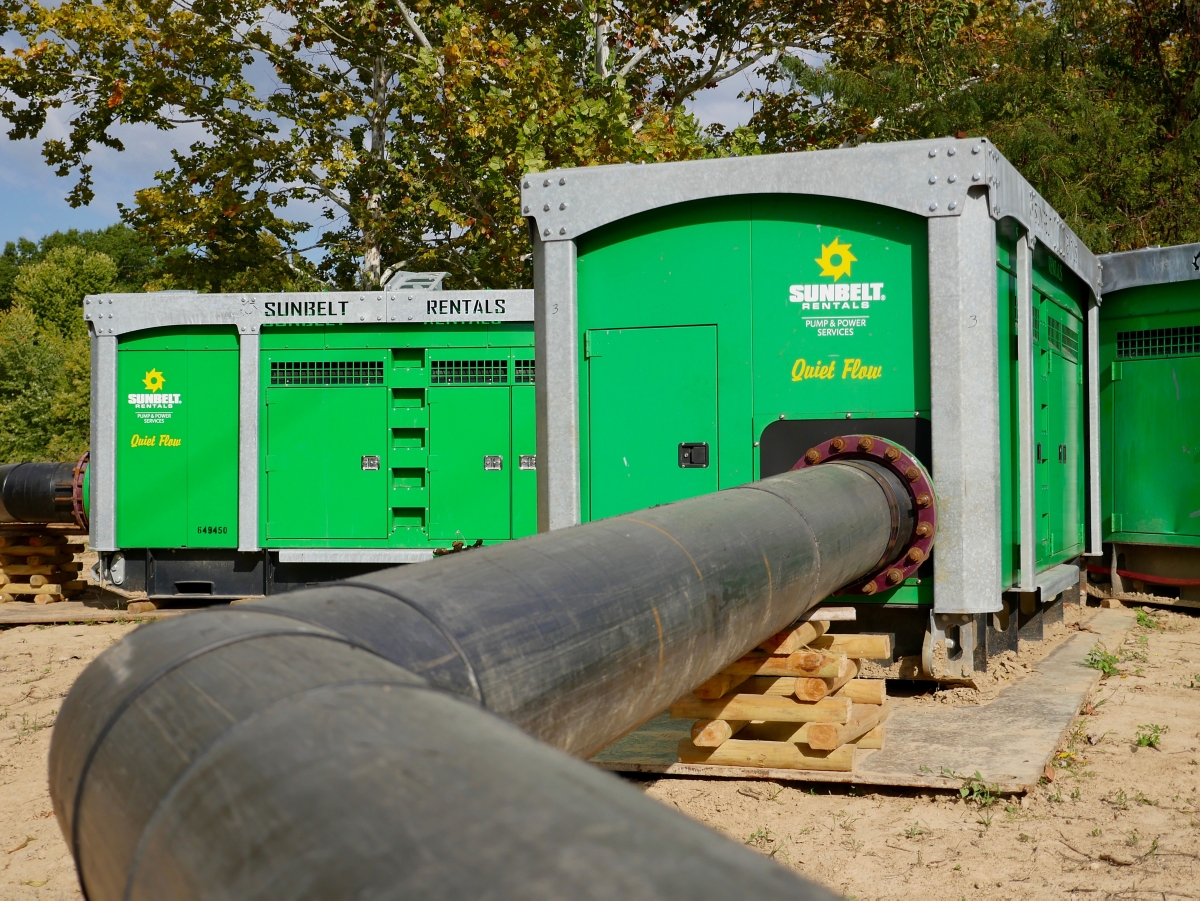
81	466
915	479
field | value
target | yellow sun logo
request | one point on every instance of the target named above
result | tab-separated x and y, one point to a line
154	380
844	258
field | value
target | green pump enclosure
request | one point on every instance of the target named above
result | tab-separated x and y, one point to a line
1150	397
357	428
709	322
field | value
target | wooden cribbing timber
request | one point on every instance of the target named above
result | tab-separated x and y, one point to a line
38	567
795	702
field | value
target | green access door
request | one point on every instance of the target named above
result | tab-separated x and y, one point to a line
470	463
1058	398
652	416
326	462
1155	439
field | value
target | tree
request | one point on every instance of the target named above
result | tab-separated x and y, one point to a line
408	125
53	288
137	267
45	387
1095	103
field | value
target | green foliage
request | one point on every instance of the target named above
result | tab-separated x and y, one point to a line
53	289
1146	621
407	124
981	794
137	267
45	388
1098	658
1150	735
1095	103
45	353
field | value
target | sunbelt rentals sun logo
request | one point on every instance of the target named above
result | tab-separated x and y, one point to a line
834	263
152	399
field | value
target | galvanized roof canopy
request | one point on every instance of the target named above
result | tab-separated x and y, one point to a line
1150	266
926	178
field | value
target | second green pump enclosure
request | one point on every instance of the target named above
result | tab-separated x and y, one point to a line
756	326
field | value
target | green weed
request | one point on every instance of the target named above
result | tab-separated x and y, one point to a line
915	830
1146	621
1150	735
976	791
1099	659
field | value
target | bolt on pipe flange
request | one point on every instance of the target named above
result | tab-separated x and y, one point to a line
916	481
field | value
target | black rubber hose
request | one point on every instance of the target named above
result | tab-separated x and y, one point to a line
37	492
215	755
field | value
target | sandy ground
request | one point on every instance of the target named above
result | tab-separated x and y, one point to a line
37	666
1117	821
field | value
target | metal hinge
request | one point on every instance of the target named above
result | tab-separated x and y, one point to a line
587	345
1116	372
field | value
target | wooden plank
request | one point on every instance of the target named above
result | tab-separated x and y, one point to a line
794	638
831	615
801	663
861	647
864	691
762	707
808	689
873	740
21	611
773	754
20	588
44	570
863	718
48	598
768	685
25	550
33	559
17	540
714	733
719	685
53	578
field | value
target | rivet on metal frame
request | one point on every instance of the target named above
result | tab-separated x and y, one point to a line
933	179
933	153
933	206
951	205
952	151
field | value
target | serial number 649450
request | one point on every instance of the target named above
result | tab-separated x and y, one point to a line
212	530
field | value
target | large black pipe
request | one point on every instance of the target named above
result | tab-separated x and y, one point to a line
39	492
329	743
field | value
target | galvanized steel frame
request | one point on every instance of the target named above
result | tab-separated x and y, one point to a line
1026	438
111	315
1150	266
1092	382
959	185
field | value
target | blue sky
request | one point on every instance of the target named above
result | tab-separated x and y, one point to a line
33	203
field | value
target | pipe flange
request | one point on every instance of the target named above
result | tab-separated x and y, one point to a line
915	479
77	475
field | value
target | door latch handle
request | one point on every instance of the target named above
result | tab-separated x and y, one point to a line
493	463
693	455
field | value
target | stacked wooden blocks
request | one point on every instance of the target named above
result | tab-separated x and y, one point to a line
796	703
38	568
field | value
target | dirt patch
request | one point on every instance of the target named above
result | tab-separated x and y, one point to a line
1116	818
37	666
